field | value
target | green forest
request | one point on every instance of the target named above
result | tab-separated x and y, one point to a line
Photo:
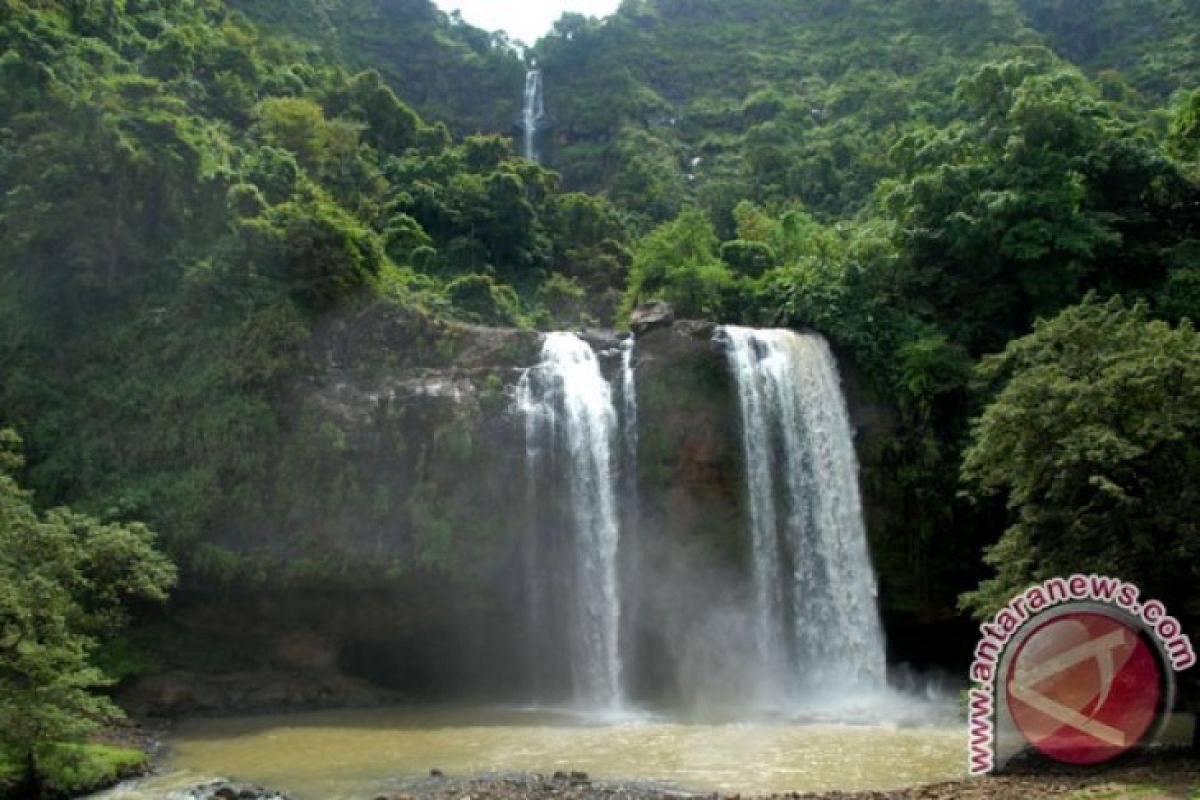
990	207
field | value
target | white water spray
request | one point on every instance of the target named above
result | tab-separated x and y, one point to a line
570	415
817	626
629	417
532	113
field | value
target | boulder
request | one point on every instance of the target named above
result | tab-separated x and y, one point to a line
648	316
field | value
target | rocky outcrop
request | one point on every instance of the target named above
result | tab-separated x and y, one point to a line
397	449
689	450
645	318
383	549
184	694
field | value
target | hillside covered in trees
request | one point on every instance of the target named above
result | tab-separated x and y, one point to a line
990	207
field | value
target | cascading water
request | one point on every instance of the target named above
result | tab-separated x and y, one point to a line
629	422
571	431
817	626
539	422
533	113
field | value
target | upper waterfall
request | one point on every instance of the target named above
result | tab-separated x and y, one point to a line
532	114
816	621
572	436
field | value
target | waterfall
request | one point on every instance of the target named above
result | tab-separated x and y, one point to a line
533	113
812	629
816	622
539	431
571	432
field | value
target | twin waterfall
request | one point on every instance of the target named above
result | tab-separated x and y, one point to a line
810	591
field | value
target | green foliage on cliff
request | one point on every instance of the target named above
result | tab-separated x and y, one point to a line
194	190
443	67
678	262
675	101
1033	187
64	579
187	197
1147	48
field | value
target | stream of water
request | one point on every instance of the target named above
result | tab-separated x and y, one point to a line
533	111
571	427
817	627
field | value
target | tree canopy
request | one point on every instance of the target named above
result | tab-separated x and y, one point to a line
1093	440
65	580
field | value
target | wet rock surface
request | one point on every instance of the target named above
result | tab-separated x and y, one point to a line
382	554
561	784
224	790
177	694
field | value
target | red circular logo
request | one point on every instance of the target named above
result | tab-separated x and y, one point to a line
1083	688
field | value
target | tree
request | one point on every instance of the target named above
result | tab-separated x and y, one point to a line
64	579
1094	439
678	262
481	299
390	125
102	193
1042	193
748	258
298	126
1185	125
319	252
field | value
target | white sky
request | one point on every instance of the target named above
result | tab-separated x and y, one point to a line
524	19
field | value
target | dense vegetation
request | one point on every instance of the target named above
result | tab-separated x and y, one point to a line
191	187
186	197
1096	485
64	578
673	101
444	68
921	181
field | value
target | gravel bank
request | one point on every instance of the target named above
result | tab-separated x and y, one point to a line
1162	777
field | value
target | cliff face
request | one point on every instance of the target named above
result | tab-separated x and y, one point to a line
688	546
386	543
402	447
401	502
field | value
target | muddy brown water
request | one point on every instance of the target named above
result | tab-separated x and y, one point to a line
351	755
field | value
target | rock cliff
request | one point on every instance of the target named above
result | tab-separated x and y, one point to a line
392	535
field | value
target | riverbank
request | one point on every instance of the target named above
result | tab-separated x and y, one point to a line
72	769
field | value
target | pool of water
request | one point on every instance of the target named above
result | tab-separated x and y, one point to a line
352	755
